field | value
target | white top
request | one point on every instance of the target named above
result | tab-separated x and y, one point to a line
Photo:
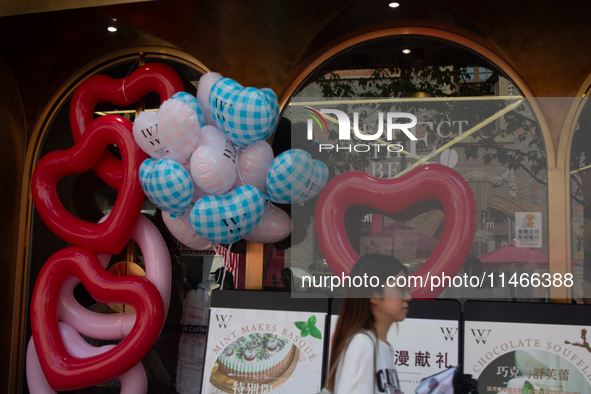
356	373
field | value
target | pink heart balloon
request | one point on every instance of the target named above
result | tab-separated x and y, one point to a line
182	230
213	164
203	90
432	181
197	192
274	226
133	381
169	134
253	164
65	372
117	326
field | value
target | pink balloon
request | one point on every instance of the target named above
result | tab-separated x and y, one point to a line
133	381
274	226
171	133
213	164
432	181
182	230
253	164
116	326
205	83
197	192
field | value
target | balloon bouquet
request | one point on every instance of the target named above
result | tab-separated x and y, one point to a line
203	161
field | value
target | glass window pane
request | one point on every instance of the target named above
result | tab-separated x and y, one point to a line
503	161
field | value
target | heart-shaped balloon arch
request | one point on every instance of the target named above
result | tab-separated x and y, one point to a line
209	150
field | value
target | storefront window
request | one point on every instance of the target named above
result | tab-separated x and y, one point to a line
580	198
89	198
470	117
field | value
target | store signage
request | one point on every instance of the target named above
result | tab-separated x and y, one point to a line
391	126
526	358
528	229
263	351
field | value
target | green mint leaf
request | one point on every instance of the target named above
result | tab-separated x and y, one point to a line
305	331
312	321
301	324
316	333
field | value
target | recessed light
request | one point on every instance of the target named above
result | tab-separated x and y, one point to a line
393	4
112	29
406	51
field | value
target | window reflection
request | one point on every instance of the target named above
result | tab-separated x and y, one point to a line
502	159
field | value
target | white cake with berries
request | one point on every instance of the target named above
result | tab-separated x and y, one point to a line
256	357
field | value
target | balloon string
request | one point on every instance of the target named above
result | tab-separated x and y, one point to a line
225	265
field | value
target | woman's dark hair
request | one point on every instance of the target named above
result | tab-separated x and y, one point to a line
355	313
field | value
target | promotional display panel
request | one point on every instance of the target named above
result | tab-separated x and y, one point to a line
528	348
262	342
425	343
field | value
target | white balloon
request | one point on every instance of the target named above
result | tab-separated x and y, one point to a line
274	226
205	83
213	164
253	164
170	133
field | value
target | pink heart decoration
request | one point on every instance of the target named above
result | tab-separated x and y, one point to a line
274	226
432	181
213	164
182	230
253	164
62	370
203	90
117	325
133	381
171	133
197	192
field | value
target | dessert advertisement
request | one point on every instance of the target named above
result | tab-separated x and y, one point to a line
422	347
526	358
264	351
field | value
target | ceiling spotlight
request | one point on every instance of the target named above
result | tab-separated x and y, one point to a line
406	51
112	29
393	4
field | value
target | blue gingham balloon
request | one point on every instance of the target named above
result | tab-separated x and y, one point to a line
295	177
192	102
229	217
167	184
273	101
245	114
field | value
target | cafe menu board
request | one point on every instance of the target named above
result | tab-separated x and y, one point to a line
425	343
264	342
520	348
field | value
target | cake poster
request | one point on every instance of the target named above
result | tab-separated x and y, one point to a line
422	347
263	351
521	358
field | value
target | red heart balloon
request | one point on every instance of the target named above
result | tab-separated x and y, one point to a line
110	236
66	372
153	77
432	181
